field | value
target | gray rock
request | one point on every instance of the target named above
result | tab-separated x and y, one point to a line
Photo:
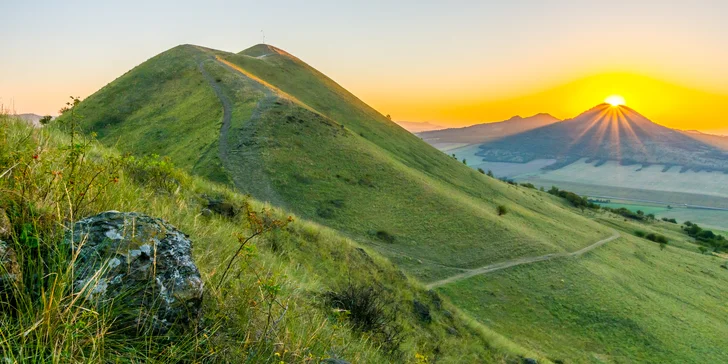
529	361
141	264
5	227
11	277
422	311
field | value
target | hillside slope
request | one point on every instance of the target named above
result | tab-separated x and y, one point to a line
607	133
270	309
276	128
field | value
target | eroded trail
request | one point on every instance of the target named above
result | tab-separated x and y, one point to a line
520	261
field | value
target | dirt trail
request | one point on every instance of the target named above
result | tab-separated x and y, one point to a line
520	261
227	111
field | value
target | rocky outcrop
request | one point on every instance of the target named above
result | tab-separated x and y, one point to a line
140	265
5	227
11	277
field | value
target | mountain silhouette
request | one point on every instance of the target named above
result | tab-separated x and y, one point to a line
604	133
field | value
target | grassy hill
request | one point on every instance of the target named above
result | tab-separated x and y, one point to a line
303	261
628	301
276	128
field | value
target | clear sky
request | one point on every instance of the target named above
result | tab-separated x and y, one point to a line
447	62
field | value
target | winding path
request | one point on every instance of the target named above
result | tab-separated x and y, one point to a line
520	261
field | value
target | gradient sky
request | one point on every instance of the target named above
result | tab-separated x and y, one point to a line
447	62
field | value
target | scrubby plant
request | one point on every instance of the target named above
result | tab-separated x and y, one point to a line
501	210
369	311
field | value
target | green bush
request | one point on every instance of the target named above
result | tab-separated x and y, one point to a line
502	210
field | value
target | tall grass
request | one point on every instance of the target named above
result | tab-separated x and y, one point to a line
266	308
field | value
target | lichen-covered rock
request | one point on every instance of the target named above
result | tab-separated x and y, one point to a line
11	277
141	264
5	226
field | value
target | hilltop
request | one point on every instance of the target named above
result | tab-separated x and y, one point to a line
272	126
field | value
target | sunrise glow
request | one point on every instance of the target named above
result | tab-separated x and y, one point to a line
615	100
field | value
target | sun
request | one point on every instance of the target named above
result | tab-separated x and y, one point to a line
615	100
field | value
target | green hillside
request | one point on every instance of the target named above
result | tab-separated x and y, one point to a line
578	287
628	301
287	134
300	263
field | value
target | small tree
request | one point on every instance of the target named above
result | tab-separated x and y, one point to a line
481	170
465	162
502	210
45	120
490	173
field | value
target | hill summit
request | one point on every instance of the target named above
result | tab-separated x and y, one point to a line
270	125
603	133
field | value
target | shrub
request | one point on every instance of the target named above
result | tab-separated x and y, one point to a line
657	238
669	220
528	185
502	210
481	170
385	236
490	173
368	311
640	234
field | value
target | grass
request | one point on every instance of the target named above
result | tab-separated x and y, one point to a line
302	260
299	140
624	302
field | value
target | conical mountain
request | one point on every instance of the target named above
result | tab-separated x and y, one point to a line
272	126
607	132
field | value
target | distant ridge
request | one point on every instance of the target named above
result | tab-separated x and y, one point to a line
607	133
481	133
418	127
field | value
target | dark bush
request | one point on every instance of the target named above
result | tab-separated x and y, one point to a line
640	234
657	238
385	236
325	212
669	220
502	210
528	185
368	311
481	170
574	199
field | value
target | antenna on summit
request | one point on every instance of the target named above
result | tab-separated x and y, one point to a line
262	34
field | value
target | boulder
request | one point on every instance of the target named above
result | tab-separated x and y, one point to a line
5	227
140	265
422	311
11	277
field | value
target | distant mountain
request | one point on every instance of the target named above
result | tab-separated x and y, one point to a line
607	133
481	133
418	127
33	119
718	141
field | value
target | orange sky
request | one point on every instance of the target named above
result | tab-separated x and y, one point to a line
450	63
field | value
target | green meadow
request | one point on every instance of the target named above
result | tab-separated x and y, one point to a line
628	301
